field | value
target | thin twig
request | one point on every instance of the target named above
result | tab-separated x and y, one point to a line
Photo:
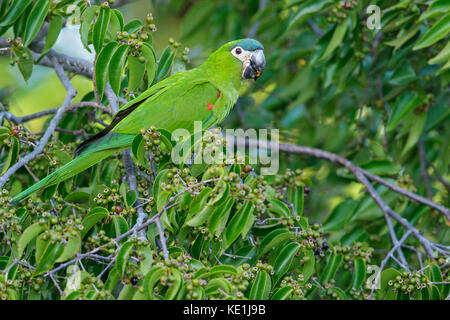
385	260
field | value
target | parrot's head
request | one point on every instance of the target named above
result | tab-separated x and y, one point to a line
251	53
246	55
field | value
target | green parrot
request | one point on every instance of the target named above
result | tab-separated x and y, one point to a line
206	93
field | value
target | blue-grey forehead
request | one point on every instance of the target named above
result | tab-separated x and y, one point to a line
249	44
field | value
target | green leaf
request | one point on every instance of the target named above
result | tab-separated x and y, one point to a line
282	294
164	64
93	217
71	248
146	264
380	167
385	290
336	40
403	36
221	270
100	28
78	195
415	132
13	154
120	225
150	280
219	217
296	197
284	259
131	198
136	70
133	26
273	240
28	235
53	32
137	147
340	215
86	19
238	222
309	264
14	11
127	292
35	20
403	106
150	63
116	23
201	216
331	268
261	286
102	64
403	74
199	202
25	62
308	9
51	251
358	274
214	285
442	56
113	278
116	66
279	208
176	284
123	256
436	276
436	33
436	8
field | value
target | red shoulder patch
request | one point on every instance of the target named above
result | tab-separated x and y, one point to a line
218	95
209	106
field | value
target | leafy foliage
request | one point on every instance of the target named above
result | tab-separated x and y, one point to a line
331	82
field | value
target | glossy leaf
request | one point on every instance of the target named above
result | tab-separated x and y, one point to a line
100	28
14	11
87	17
101	66
436	33
54	29
71	248
164	64
93	217
261	286
238	222
273	240
404	105
136	70
35	20
116	66
331	268
28	235
123	255
284	260
358	274
150	63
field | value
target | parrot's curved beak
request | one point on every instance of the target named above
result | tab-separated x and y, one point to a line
255	67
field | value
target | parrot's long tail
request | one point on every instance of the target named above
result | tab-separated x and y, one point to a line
95	153
67	171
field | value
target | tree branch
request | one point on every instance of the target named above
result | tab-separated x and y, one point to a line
71	93
363	177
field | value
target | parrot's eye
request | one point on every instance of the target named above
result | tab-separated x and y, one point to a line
238	51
